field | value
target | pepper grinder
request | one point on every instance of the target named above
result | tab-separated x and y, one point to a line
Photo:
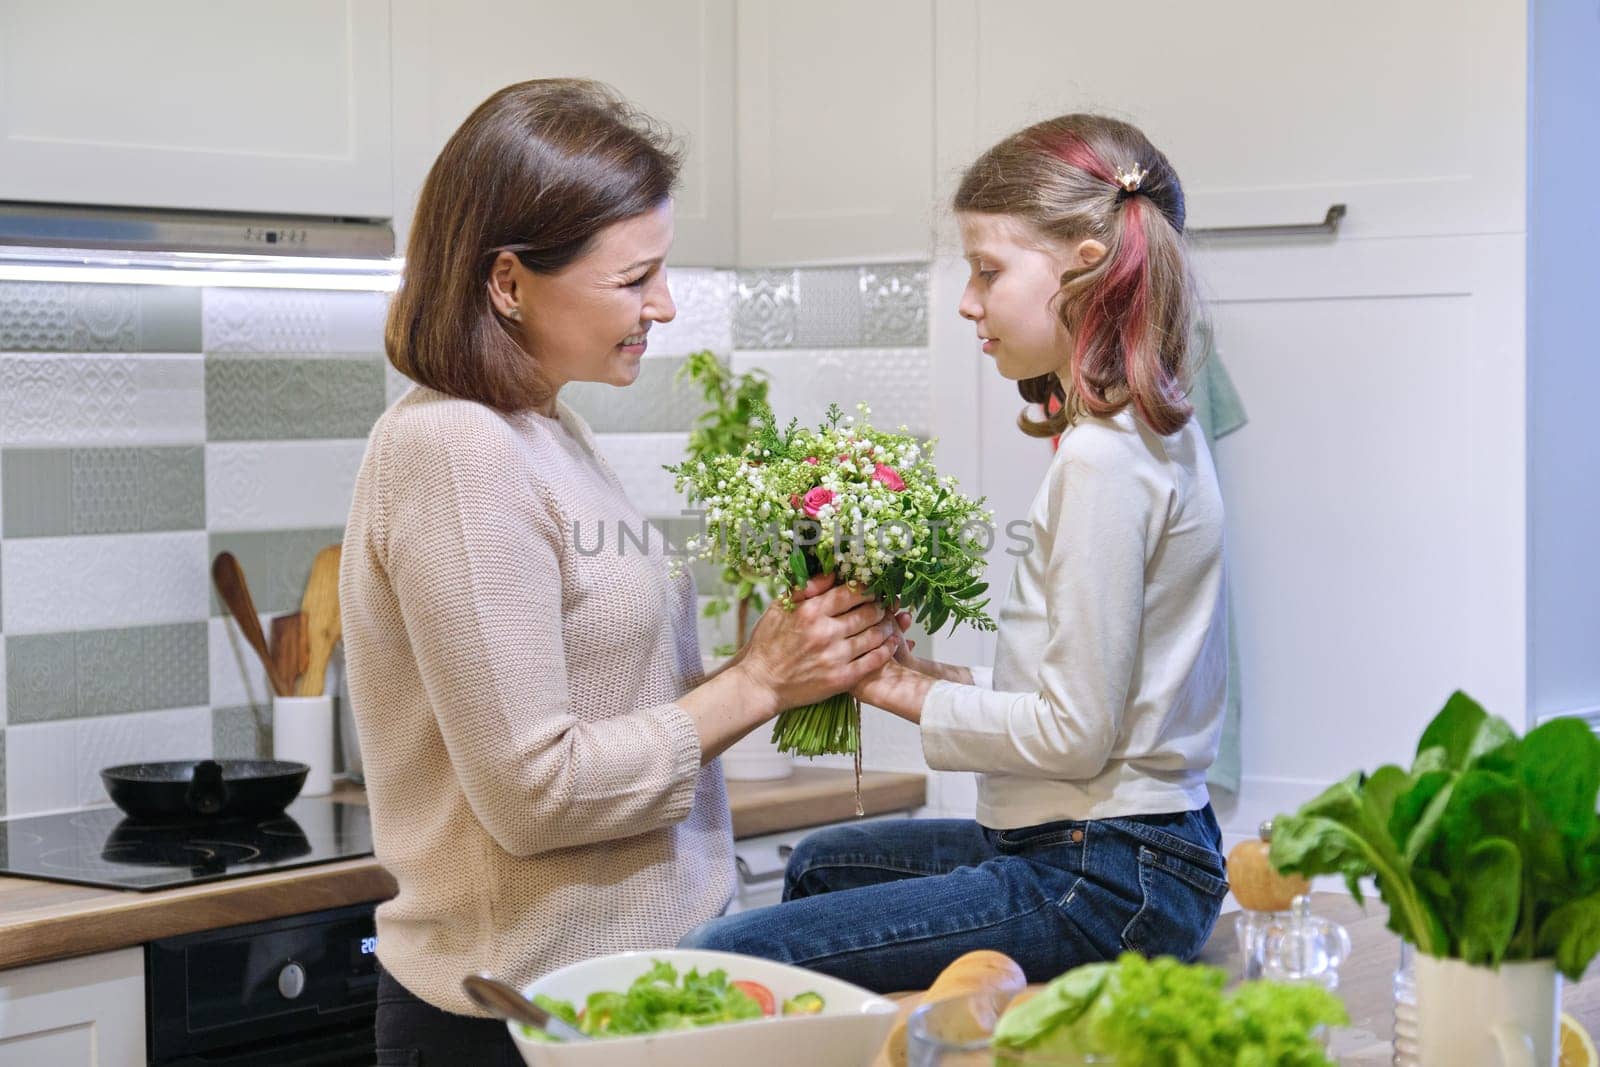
1264	895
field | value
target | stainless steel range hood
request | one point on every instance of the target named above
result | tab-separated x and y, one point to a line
159	246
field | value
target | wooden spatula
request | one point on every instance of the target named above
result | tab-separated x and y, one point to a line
289	649
320	610
229	579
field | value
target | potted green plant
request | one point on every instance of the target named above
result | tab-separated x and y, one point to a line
1487	853
724	428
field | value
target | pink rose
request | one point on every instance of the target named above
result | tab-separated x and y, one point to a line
813	460
844	457
794	501
816	499
887	476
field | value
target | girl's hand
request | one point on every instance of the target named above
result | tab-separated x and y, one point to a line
896	689
835	636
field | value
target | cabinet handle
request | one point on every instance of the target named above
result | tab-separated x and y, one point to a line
1328	226
749	877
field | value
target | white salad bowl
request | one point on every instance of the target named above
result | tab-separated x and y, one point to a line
848	1032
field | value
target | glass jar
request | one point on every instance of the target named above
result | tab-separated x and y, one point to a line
1407	1047
955	1033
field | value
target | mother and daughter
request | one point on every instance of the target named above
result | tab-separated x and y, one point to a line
539	739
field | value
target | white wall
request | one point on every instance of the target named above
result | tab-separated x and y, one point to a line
1563	359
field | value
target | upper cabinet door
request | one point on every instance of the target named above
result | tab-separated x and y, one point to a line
216	104
835	131
672	60
1411	114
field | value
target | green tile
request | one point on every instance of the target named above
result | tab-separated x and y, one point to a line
36	487
106	672
655	403
279	398
58	491
242	732
276	564
48	317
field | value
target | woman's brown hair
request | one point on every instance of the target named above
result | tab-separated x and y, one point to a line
1084	176
538	169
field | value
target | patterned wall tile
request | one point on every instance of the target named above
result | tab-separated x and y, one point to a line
106	672
894	382
91	400
2	773
829	307
637	459
41	768
766	315
280	485
251	398
183	733
293	320
51	317
2	698
655	403
242	732
55	584
705	314
276	564
52	492
237	676
895	298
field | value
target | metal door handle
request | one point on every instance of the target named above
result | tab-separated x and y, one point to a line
1328	227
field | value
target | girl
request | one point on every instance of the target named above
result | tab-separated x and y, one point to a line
1091	740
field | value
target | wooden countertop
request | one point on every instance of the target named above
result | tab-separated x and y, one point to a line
42	921
1366	980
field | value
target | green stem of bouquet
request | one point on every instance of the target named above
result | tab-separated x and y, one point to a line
828	727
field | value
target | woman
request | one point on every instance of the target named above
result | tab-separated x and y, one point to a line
536	731
1094	833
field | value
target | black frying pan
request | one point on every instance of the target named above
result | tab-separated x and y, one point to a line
230	788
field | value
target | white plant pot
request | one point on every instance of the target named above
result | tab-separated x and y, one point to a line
1470	1016
754	758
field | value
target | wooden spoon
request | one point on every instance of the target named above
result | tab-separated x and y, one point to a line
229	579
289	649
320	611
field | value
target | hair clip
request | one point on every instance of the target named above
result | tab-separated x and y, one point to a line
1132	178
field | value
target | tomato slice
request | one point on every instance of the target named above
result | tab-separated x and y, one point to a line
758	993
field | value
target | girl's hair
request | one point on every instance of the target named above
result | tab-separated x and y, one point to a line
1128	315
538	170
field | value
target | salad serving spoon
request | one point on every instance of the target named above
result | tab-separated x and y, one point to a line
504	1002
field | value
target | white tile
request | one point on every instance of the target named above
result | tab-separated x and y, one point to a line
894	382
41	762
237	676
76	583
291	320
704	298
2	682
48	399
280	485
637	459
180	734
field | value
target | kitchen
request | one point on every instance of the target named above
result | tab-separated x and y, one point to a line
1433	535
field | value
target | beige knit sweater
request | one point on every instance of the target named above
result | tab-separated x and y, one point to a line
535	791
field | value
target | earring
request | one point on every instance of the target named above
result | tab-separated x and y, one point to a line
515	314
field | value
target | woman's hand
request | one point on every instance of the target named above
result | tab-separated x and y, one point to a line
835	636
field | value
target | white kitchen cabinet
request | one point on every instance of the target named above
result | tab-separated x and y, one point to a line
82	1012
675	61
1411	114
835	131
217	104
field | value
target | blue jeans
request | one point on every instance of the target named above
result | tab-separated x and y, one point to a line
887	905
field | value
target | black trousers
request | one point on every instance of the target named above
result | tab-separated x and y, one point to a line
413	1033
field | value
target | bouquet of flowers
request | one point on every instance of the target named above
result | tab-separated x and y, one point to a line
852	501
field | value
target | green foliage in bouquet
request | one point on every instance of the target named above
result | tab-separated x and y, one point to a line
1487	849
845	499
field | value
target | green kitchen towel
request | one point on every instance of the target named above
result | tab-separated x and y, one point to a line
1217	406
